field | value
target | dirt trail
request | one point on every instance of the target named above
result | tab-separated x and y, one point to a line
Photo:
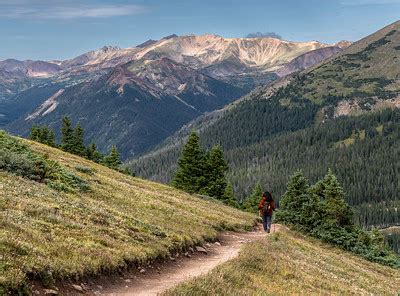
158	279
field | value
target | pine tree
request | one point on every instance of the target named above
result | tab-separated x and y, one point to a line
51	138
93	154
251	203
112	160
190	173
297	202
215	169
330	190
229	197
34	134
79	145
67	135
42	135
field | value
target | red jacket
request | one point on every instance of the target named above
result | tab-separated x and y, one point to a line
261	205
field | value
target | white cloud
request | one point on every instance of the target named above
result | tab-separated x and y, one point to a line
369	2
62	10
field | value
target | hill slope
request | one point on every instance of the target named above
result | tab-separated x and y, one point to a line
114	221
300	122
288	263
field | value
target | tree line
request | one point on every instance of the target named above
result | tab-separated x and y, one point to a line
72	141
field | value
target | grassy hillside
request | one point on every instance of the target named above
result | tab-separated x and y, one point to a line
289	263
113	222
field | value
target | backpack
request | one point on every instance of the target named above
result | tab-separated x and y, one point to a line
266	207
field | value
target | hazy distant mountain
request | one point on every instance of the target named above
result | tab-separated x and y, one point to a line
179	76
16	76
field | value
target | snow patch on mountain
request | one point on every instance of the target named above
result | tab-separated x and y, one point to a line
47	107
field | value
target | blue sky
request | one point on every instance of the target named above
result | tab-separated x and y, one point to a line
61	29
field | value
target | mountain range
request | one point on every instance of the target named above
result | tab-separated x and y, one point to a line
136	97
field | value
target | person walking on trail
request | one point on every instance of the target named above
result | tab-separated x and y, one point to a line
266	207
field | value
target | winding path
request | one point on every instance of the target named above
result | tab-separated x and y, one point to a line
157	279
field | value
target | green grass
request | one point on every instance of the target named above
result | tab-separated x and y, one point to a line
358	134
288	263
52	234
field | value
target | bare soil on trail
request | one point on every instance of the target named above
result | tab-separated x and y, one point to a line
156	279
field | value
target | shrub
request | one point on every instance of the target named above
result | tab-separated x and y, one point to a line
19	159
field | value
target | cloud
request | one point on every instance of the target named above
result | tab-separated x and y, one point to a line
368	2
59	9
264	35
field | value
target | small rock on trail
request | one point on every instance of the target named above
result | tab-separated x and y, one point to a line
201	250
77	288
50	292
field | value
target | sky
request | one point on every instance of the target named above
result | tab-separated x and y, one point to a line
62	29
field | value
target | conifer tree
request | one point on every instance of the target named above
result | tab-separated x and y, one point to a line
42	135
295	203
51	138
112	160
229	197
79	145
93	154
215	169
330	190
190	172
67	135
34	134
251	203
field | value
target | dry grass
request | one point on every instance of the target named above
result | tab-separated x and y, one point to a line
288	263
120	221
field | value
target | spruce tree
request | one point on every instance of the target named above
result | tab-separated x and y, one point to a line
330	190
251	203
51	138
93	154
42	135
190	172
35	132
229	197
293	201
112	160
67	135
79	145
215	169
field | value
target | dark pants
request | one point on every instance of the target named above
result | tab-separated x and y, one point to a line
267	222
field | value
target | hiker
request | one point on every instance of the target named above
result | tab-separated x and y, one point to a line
266	207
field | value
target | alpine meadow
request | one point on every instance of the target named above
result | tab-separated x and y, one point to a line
214	148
